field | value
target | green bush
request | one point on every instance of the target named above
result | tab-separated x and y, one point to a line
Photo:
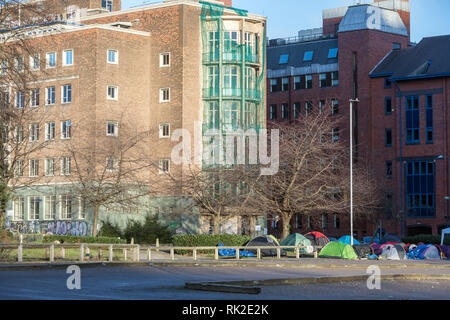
76	239
148	231
110	230
208	240
426	239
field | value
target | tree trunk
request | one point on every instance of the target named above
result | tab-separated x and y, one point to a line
94	227
3	204
216	220
286	224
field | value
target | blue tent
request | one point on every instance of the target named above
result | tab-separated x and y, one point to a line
232	252
347	239
425	251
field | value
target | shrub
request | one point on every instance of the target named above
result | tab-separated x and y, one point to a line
110	230
426	239
77	239
146	232
208	240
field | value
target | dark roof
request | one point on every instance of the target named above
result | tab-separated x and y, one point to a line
296	52
429	58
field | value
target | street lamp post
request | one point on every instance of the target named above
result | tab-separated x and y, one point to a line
351	169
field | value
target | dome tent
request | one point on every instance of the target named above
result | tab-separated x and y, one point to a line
425	251
317	238
337	249
393	252
296	239
265	241
347	240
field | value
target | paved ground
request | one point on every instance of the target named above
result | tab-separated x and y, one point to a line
146	282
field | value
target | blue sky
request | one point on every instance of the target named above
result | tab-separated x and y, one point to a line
286	17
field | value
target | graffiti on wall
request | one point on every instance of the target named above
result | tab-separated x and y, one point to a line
57	227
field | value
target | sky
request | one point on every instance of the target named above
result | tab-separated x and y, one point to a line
287	17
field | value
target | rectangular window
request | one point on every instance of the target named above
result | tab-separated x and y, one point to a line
284	84
50	208
34	168
50	95
388	169
324	221
308	56
164	59
34	132
322	104
112	128
107	4
51	59
284	111
388	137
111	164
273	112
334	79
283	59
50	167
19	64
66	96
65	166
420	188
388	105
19	209
308	108
429	118
82	208
34	206
112	93
298	83
334	107
34	97
274	87
335	134
50	131
18	170
297	110
332	53
308	81
68	57
66	132
231	115
412	120
18	133
35	63
164	130
323	81
164	95
336	221
20	99
164	166
112	56
66	207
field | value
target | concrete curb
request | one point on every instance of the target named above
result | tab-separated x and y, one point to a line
216	287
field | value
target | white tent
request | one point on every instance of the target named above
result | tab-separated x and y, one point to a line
444	232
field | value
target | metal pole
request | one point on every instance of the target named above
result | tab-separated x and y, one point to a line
351	169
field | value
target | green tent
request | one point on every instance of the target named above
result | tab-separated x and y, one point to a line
337	249
296	239
276	241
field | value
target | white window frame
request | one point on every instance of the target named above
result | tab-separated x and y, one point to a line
161	130
47	96
34	103
32	66
46	162
49	133
115	164
31	168
161	95
47	60
62	199
161	59
65	169
29	208
116	128
54	215
116	54
66	134
22	214
161	166
20	66
64	62
116	92
34	132
18	170
69	85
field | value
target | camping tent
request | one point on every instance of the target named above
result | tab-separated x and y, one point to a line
393	252
265	241
347	240
317	238
337	249
425	251
445	250
444	232
392	238
232	252
296	239
363	250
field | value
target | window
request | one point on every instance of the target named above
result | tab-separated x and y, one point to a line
388	105
49	95
112	92
298	221
274	85
82	208
231	81
308	81
66	91
308	56
250	117
328	79
50	131
164	166
50	208
18	133
332	53
20	99
107	4
19	206
335	134
34	132
66	207
273	112
283	59
388	169
51	59
34	97
66	129
50	167
334	78
387	84
18	170
34	206
388	137
35	63
336	221
68	57
164	59
412	120
284	111
396	46
334	107
323	81
164	130
112	128
429	118
19	64
297	109
34	168
284	84
420	188
324	221
112	56
230	115
297	83
308	108
111	163
164	95
65	166
213	115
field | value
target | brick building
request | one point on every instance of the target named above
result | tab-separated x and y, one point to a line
163	66
331	65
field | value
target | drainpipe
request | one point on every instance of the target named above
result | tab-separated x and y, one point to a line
402	209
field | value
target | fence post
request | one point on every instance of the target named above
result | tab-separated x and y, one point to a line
297	253
62	253
149	254
100	254
258	253
20	253
278	253
237	253
52	252
172	254
125	254
194	254
216	254
315	253
157	244
88	253
81	252
138	253
110	258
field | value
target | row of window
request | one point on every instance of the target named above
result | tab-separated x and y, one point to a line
49	167
308	56
296	109
327	79
63	207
